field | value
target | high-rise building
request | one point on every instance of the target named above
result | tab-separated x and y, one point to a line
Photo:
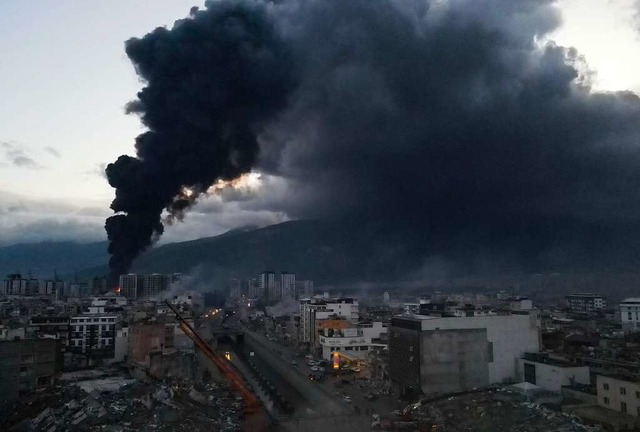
288	285
131	285
235	289
267	284
17	285
304	289
252	288
154	284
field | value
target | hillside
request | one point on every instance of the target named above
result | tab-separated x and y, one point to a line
340	252
45	258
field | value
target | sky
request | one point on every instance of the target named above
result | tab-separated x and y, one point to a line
65	80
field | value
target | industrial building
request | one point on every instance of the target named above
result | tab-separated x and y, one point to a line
441	355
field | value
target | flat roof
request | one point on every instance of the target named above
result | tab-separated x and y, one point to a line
631	300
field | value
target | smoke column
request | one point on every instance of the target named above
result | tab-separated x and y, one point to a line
210	84
453	130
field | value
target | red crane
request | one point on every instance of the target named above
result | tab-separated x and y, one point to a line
251	402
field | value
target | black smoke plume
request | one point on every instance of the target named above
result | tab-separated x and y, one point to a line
211	82
454	125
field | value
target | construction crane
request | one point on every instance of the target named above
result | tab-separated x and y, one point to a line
251	402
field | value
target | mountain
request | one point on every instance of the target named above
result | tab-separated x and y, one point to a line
45	258
332	252
323	251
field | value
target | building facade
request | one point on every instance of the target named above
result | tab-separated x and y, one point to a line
147	339
93	334
288	285
26	365
630	314
55	327
442	355
586	302
131	285
619	393
267	285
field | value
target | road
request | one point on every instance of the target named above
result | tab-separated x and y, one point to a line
319	399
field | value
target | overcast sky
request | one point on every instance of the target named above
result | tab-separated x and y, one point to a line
65	78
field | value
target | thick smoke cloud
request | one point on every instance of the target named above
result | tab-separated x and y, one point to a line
210	83
455	122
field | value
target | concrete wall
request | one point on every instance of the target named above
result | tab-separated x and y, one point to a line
583	397
553	377
404	356
509	337
454	360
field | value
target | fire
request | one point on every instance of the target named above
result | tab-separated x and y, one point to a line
118	290
249	181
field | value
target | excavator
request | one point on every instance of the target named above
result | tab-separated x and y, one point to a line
251	403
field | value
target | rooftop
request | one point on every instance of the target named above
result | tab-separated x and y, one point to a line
631	300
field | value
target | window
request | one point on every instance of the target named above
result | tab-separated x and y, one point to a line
605	386
623	407
623	391
606	400
638	394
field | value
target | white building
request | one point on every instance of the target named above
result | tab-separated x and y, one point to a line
630	314
346	307
355	343
93	333
619	393
449	354
549	373
121	347
586	302
314	310
108	300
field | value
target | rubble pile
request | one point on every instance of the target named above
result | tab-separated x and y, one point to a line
487	411
136	405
